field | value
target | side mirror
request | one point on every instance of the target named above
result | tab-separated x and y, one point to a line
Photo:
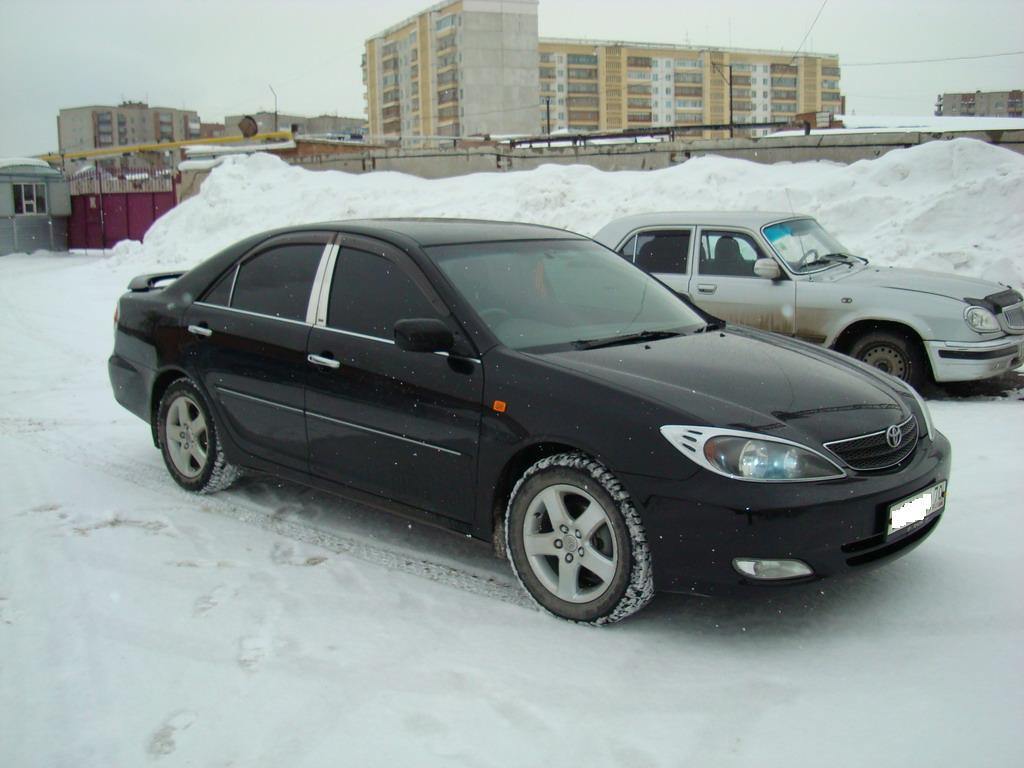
423	334
767	268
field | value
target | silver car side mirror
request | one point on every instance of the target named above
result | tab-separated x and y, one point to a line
768	268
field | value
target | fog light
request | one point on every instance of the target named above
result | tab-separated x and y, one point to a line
771	570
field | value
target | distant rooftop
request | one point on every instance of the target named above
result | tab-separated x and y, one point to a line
688	48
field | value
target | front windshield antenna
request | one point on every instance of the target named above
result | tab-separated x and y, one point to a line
792	210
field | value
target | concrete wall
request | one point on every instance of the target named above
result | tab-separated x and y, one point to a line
431	164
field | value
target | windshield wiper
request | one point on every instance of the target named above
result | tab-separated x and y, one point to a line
629	338
829	258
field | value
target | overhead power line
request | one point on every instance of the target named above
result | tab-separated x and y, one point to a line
933	61
810	29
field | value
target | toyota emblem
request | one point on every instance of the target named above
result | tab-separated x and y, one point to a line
894	436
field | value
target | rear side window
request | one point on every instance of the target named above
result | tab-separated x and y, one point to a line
277	282
369	294
220	293
663	252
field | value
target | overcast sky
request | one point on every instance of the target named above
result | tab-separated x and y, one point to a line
220	56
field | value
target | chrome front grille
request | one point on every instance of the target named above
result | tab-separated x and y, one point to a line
1014	317
872	451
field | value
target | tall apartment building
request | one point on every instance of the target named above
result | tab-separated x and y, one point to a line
478	66
610	86
459	68
981	104
132	122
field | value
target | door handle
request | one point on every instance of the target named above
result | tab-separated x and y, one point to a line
326	362
200	330
706	288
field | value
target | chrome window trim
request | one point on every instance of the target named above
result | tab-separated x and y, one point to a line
252	314
255	399
316	296
382	434
355	335
696	437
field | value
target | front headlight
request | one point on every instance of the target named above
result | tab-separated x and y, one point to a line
981	320
750	456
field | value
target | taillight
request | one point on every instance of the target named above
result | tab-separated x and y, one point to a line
117	313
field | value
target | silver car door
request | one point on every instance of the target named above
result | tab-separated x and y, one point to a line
724	283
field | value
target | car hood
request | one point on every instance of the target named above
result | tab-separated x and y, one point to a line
917	280
746	379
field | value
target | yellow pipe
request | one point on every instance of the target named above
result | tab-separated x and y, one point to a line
118	151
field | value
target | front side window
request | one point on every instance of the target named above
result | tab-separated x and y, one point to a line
534	294
727	254
277	282
370	293
29	199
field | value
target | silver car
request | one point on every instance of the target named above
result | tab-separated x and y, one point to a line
783	272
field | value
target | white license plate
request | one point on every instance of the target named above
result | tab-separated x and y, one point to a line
917	507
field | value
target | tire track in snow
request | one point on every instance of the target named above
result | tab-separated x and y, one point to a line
151	479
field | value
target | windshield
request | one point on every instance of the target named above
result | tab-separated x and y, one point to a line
805	245
543	293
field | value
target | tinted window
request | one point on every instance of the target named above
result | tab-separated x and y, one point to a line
663	251
277	282
220	293
628	249
730	254
369	294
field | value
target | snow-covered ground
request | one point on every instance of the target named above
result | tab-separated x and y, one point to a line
271	625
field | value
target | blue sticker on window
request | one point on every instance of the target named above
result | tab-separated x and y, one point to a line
778	231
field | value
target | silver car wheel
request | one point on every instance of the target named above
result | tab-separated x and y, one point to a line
569	545
188	438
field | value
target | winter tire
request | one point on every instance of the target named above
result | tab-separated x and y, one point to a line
893	353
576	542
188	440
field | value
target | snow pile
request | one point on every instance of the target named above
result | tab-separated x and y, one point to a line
954	206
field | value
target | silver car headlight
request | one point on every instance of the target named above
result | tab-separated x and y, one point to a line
981	320
750	456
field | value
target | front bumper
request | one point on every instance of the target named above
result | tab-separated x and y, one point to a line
971	360
696	528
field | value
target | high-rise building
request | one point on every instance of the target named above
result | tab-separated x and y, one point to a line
981	104
477	66
131	122
609	86
459	68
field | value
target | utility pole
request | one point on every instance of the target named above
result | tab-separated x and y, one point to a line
547	100
275	106
730	101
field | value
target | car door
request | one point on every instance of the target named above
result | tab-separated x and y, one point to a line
724	283
664	253
402	425
248	349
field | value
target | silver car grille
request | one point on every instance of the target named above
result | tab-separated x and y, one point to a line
1014	317
872	451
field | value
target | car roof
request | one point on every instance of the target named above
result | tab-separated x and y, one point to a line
428	232
611	234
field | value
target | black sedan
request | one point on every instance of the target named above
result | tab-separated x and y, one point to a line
529	387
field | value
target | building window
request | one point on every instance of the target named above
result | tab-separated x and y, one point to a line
29	199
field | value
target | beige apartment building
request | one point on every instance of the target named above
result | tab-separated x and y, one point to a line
981	104
476	67
456	69
131	122
611	86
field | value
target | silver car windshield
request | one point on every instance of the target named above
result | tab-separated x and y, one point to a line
556	293
805	245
